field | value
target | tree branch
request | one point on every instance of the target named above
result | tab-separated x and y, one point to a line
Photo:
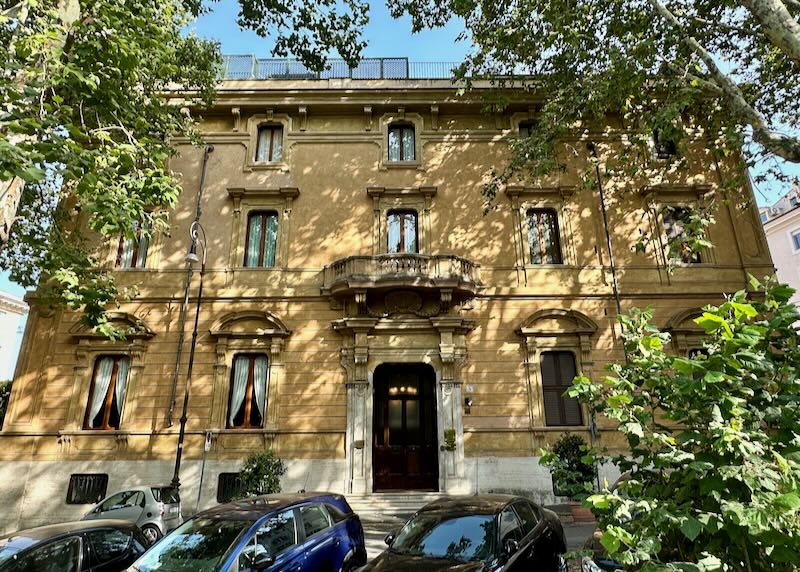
778	25
784	146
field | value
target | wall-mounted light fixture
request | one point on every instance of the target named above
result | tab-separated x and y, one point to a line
467	405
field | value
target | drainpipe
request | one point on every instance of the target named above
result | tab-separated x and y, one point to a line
615	289
184	307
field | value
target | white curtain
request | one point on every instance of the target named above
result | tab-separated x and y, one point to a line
253	241
122	384
260	384
126	258
240	367
102	380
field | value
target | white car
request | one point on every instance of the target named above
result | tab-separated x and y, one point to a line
154	509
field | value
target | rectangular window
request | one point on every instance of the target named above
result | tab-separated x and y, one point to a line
132	252
248	396
558	371
794	201
229	486
87	488
270	144
107	393
401	143
526	129
663	147
675	220
764	216
262	240
796	239
402	232
543	239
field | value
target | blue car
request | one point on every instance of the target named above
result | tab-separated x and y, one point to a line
280	533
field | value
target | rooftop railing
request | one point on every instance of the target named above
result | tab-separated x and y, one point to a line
249	67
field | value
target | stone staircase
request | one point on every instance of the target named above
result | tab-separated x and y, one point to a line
382	513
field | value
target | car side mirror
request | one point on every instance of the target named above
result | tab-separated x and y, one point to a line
511	546
263	561
389	538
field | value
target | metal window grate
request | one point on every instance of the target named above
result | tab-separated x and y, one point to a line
229	486
87	488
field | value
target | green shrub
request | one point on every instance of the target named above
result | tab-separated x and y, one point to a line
713	441
572	475
261	474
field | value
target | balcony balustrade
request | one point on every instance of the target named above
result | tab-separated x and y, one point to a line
442	272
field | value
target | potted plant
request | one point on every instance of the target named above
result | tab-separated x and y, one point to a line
572	474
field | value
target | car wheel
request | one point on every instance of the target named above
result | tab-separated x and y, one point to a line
561	563
151	533
350	564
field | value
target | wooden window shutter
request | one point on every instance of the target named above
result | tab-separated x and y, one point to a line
558	370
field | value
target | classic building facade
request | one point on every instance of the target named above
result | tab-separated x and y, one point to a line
361	315
782	228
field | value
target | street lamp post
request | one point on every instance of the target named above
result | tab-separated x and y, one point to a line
198	235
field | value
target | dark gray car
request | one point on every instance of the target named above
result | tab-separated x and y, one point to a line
488	533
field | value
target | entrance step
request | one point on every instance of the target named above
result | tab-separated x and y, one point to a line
381	506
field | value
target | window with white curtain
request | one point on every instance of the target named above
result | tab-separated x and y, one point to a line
402	231
248	395
401	142
543	239
262	239
269	147
107	393
132	251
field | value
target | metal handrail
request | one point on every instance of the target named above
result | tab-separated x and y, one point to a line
249	67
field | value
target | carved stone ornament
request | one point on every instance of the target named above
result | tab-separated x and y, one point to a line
404	303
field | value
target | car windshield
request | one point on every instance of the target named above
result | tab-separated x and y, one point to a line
456	537
198	545
11	545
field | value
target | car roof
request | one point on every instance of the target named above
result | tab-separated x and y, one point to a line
478	504
42	533
256	507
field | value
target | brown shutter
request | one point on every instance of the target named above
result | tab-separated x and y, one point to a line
558	370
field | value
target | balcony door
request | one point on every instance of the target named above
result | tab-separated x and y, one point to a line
404	451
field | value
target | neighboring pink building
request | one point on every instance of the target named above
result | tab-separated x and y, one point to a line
782	227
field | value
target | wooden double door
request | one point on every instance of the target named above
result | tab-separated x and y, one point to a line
405	455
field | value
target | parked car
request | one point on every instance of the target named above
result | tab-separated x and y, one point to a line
485	532
289	532
96	546
154	509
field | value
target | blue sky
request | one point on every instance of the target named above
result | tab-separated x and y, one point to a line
386	37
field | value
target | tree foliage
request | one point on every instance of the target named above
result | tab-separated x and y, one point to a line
261	474
572	474
714	441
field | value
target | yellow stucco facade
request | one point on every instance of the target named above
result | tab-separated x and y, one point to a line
335	306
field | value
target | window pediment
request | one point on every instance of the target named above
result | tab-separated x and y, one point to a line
120	320
557	322
250	324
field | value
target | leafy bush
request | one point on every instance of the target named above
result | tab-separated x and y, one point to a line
572	474
714	441
261	474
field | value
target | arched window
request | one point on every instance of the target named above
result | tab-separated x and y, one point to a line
401	142
269	145
262	239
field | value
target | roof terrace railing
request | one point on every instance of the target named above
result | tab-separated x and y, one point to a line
249	67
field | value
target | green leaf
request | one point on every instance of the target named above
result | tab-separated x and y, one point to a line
691	528
788	502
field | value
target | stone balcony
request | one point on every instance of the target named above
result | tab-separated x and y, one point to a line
446	277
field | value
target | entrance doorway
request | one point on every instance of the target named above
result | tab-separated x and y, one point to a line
404	451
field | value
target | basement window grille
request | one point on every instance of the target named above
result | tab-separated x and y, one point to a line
87	488
229	486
